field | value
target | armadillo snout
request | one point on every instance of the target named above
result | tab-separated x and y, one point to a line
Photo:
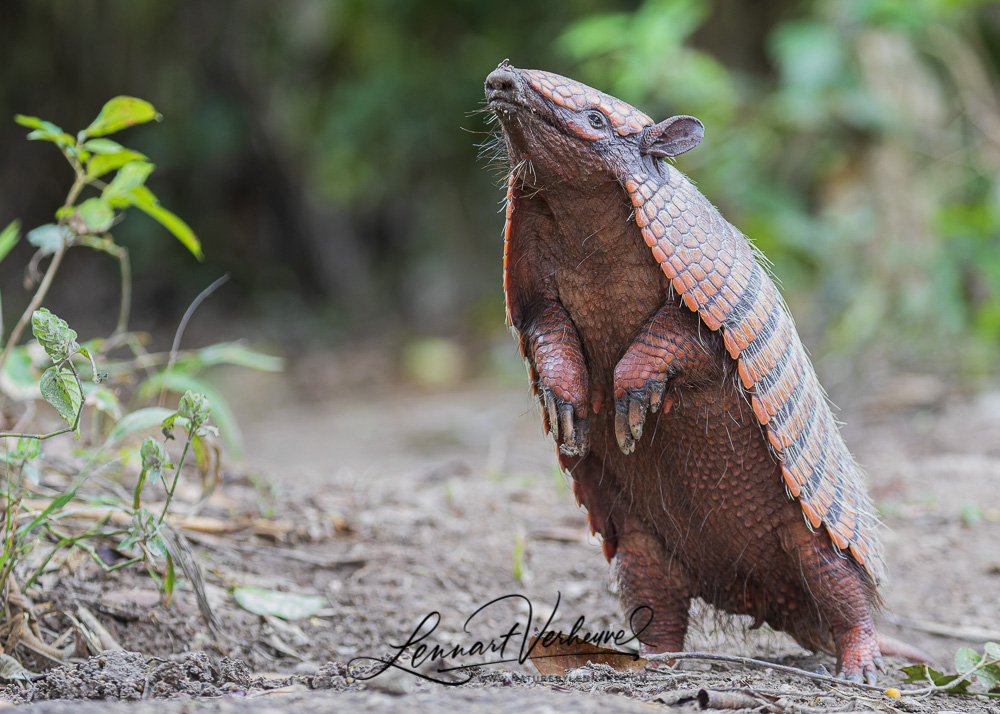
501	84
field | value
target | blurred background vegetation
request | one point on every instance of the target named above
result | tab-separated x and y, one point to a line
325	152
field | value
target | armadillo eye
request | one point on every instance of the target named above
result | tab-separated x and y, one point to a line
596	120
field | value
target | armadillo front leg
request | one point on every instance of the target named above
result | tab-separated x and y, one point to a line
559	376
665	348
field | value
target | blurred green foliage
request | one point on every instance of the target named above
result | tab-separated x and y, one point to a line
325	152
865	162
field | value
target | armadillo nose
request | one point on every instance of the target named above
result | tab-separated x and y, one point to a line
500	82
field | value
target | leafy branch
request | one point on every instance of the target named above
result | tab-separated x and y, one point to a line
971	668
92	157
53	373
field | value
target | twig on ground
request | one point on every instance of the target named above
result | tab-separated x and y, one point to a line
733	659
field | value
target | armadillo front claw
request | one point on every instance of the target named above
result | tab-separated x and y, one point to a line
630	412
570	431
576	442
867	675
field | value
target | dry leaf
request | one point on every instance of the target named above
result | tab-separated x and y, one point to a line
562	654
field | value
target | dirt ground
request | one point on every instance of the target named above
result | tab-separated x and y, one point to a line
396	502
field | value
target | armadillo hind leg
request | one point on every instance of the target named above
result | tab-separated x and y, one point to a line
561	376
664	348
844	596
655	592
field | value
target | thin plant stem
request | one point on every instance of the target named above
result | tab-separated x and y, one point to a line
177	475
137	495
182	326
66	540
79	183
126	305
40	294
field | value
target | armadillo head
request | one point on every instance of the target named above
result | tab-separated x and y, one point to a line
558	130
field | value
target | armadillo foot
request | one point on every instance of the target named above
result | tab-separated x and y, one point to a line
631	408
663	348
570	430
858	656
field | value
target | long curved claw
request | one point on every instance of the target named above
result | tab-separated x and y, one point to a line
630	412
626	442
636	417
566	420
551	412
571	431
871	676
576	441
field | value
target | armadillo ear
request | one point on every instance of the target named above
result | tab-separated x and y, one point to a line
672	136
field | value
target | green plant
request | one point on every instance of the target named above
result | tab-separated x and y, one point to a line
974	674
520	569
854	160
47	369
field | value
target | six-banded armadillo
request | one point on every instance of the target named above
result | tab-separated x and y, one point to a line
630	293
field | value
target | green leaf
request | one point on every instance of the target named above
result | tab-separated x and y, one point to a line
287	606
143	199
20	376
54	505
156	546
38	124
921	673
27	448
194	407
97	214
101	164
120	113
966	660
44	131
238	354
54	335
103	146
201	453
154	457
181	382
960	686
86	353
992	650
169	578
137	421
61	389
9	237
127	189
49	238
989	675
168	424
130	176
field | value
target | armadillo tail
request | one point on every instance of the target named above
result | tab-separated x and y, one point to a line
891	646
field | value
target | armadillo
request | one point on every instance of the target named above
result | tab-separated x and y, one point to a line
673	380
